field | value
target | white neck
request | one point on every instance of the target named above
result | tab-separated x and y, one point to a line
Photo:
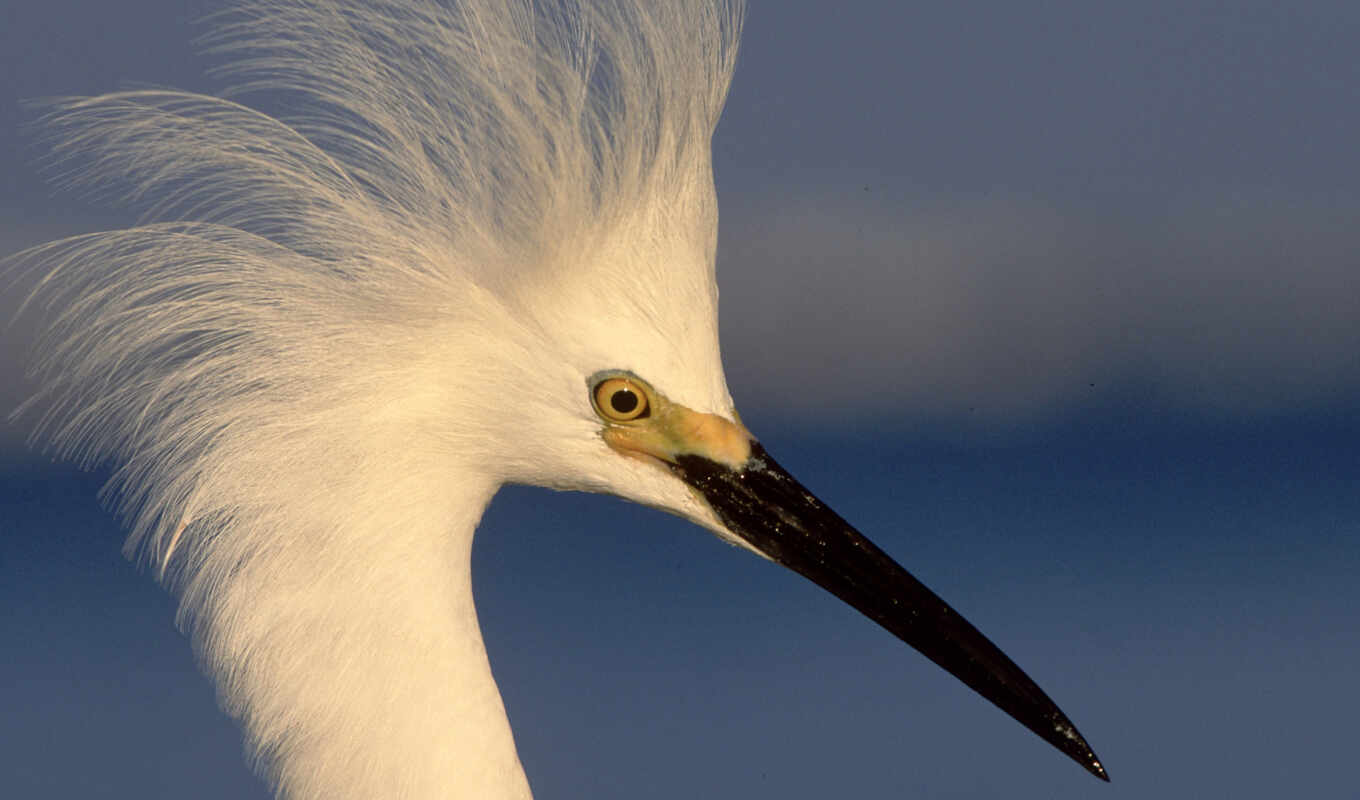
352	654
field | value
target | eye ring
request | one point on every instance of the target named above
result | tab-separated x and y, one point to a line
620	399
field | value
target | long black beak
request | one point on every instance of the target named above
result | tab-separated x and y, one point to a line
764	505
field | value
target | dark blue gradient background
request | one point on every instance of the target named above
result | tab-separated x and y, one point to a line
1059	305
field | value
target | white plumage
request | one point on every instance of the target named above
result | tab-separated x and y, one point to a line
362	319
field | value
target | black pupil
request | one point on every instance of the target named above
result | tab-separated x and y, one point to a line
623	401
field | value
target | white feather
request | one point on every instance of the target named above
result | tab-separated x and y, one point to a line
342	329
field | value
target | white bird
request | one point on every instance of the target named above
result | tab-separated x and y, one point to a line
479	250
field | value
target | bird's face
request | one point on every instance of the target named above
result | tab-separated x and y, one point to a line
634	322
654	435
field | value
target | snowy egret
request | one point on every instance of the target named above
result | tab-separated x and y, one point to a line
481	251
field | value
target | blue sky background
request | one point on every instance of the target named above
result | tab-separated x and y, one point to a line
1059	304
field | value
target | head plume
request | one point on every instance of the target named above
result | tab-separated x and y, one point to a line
288	262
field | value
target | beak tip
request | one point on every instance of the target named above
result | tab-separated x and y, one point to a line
1083	755
1066	738
1097	769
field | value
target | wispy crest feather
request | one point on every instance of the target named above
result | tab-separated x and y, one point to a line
431	142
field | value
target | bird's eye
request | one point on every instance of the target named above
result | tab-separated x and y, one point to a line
620	400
